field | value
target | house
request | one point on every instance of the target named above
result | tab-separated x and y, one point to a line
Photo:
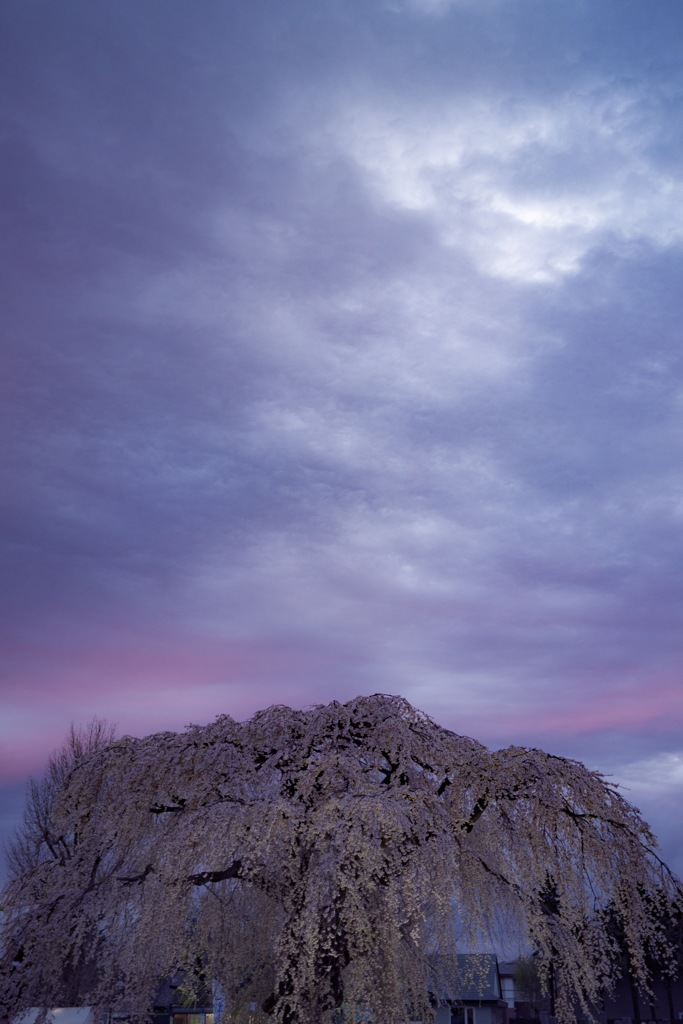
171	1005
475	995
58	1015
623	1004
629	1006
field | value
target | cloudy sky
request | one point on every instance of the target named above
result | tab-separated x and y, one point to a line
341	354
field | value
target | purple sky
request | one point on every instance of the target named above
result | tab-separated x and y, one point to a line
342	354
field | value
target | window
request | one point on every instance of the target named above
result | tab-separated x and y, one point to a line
192	1018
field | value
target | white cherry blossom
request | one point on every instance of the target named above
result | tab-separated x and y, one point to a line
305	859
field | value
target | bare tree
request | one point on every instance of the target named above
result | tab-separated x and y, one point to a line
41	840
37	838
314	859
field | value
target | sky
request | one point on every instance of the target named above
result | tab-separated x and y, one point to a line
341	354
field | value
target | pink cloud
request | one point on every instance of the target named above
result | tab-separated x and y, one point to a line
147	688
652	705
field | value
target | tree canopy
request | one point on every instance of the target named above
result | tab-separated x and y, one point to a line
312	859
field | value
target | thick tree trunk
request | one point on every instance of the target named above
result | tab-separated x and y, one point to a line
329	971
670	1000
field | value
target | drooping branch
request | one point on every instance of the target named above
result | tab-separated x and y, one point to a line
313	857
235	870
137	879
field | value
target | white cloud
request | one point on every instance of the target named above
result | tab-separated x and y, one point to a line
524	189
435	8
659	773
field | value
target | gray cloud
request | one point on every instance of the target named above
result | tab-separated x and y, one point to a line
343	357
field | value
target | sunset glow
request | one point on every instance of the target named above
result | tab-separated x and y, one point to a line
342	355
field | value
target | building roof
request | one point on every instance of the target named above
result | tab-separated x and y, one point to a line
58	1015
476	980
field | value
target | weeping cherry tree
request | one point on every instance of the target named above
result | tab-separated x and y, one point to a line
316	861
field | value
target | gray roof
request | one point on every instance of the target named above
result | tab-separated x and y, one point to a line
476	980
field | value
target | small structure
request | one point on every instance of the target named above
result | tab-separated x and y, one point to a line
58	1015
475	996
171	1004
